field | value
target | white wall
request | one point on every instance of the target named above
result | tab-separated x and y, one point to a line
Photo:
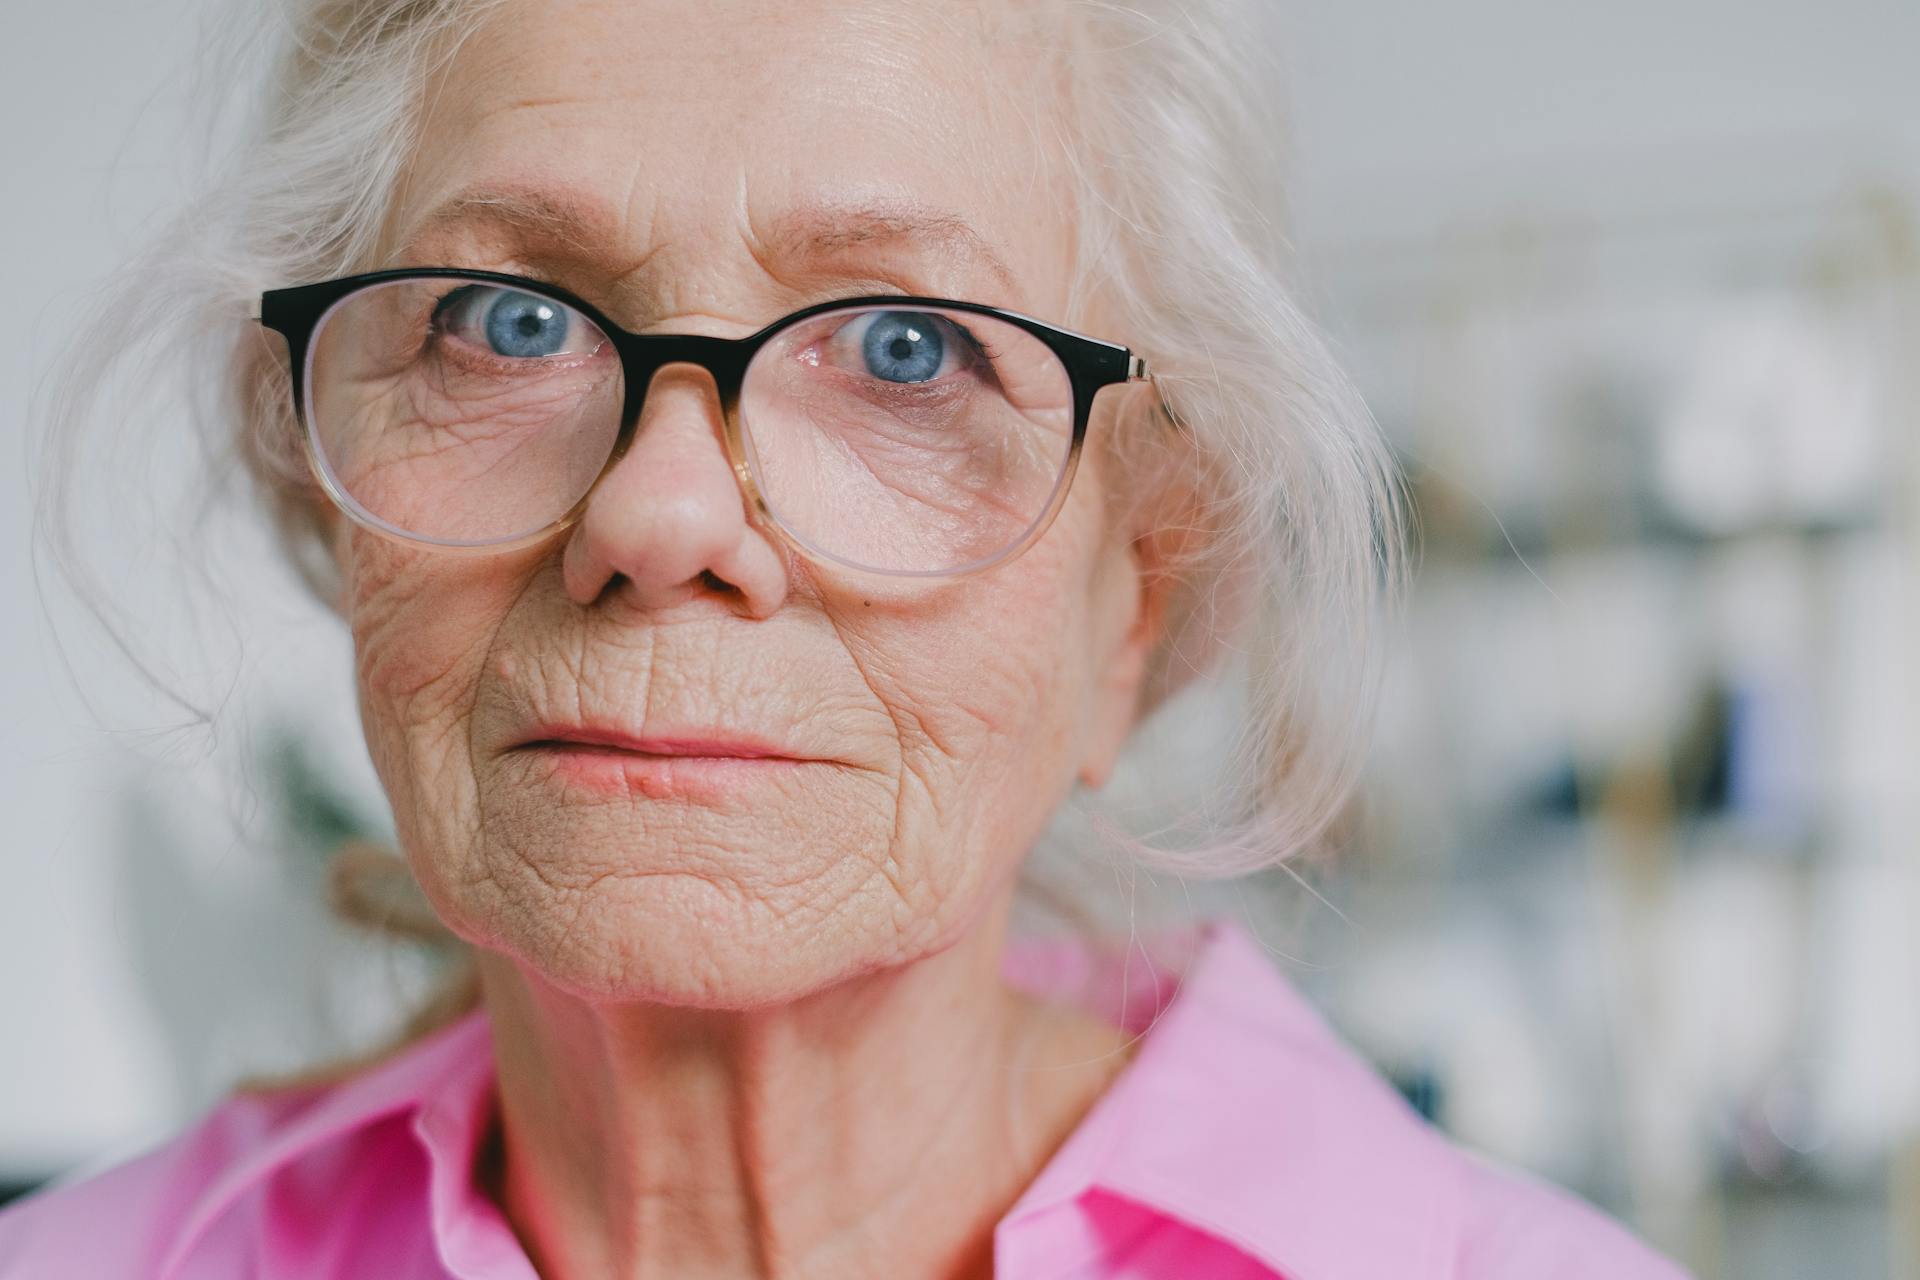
1415	117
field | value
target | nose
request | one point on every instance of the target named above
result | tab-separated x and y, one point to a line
668	521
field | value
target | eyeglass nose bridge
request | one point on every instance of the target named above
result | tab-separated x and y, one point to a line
643	355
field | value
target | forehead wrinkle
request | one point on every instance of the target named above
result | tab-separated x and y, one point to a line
815	234
827	229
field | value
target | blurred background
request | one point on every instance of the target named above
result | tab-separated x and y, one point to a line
1631	897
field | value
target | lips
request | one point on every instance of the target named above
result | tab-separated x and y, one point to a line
691	743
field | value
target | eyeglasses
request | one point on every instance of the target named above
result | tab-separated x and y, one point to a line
476	411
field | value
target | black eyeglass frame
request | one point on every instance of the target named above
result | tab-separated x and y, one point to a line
1092	364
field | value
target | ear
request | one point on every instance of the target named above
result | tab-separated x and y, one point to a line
315	533
1142	588
338	549
1156	487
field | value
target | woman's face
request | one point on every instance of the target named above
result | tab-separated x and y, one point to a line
708	166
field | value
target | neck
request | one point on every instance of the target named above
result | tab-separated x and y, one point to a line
879	1127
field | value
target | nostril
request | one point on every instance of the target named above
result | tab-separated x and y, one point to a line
714	582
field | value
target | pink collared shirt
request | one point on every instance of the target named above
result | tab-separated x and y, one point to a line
1243	1142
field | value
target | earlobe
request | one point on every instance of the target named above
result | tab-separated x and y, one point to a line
333	531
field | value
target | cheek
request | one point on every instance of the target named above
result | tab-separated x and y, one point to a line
990	692
412	628
422	627
1021	667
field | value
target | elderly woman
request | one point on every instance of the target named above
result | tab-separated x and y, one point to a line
767	456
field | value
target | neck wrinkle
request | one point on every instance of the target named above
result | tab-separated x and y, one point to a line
878	1127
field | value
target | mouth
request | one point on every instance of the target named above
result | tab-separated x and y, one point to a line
689	745
701	764
669	755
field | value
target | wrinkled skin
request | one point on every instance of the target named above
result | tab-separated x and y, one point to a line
954	717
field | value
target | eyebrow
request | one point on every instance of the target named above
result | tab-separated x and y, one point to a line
807	233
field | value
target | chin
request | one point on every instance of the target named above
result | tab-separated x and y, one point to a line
677	940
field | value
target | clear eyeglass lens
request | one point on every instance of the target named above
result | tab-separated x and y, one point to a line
907	441
461	411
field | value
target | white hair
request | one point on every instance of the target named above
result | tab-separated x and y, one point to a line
1172	139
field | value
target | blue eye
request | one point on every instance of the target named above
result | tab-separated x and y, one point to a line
520	326
903	346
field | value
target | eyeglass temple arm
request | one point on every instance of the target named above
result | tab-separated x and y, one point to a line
1137	370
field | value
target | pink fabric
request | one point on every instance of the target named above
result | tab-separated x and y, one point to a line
1244	1142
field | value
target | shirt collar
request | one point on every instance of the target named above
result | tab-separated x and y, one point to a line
1243	1117
445	1074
